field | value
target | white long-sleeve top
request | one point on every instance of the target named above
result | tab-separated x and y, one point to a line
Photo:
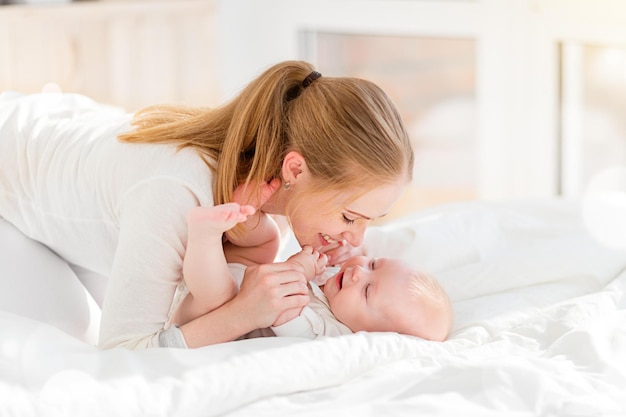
115	208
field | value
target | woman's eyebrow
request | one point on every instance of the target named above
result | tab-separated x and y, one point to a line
356	213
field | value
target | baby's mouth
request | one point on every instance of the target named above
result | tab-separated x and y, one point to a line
340	280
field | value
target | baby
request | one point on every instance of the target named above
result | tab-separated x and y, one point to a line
374	295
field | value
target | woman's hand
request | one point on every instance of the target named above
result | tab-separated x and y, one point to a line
269	290
340	252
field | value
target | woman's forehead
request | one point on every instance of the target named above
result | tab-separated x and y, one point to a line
376	202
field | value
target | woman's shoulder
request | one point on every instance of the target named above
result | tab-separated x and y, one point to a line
165	170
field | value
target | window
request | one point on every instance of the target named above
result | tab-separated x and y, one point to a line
593	112
432	81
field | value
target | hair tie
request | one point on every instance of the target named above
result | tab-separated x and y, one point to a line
295	91
310	78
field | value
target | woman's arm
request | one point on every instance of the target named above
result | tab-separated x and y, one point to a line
147	269
259	245
267	291
147	265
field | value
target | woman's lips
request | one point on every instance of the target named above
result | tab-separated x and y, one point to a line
326	240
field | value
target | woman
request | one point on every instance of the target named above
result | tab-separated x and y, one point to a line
333	153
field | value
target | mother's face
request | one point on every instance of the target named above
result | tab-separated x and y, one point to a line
319	221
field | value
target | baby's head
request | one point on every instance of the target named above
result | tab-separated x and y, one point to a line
385	295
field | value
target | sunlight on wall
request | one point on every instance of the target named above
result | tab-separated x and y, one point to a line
432	81
604	206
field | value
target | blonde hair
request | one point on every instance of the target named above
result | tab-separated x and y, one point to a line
347	129
425	289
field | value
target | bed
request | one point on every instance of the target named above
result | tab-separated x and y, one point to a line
540	330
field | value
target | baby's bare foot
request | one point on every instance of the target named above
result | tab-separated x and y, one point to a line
217	219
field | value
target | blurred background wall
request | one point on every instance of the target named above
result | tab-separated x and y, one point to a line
504	99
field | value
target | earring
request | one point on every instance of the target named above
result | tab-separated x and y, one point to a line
287	185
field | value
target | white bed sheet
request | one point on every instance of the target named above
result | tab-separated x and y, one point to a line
540	330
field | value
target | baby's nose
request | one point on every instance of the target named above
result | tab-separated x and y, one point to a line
357	272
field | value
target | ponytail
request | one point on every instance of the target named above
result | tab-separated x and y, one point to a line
347	129
256	140
241	141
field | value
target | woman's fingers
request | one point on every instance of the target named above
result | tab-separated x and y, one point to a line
287	315
290	289
281	272
271	289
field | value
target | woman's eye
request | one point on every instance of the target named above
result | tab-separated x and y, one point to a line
348	220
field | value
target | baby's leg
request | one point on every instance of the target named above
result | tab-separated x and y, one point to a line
205	270
208	223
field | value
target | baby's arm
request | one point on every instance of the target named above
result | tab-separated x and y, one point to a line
303	325
311	324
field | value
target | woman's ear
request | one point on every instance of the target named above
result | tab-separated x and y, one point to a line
294	166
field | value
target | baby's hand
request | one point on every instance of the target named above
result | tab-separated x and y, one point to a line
341	251
312	262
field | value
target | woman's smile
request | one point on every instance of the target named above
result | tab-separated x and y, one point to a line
327	240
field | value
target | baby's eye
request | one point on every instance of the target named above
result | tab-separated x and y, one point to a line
373	264
348	220
367	290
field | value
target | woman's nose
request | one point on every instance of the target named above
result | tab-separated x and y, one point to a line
355	237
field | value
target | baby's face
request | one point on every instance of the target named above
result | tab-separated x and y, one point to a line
371	294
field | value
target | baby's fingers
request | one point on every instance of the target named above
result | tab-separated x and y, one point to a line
321	263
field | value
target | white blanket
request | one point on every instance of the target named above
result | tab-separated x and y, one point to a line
540	330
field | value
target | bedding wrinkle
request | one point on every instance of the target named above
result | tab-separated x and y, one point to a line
539	330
